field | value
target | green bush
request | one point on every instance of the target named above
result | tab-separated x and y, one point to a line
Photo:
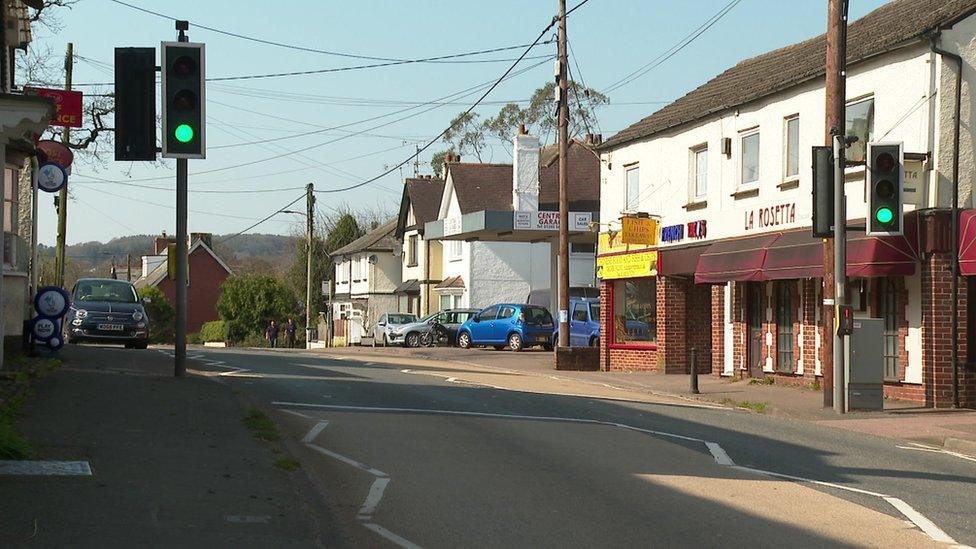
251	302
194	339
215	330
162	318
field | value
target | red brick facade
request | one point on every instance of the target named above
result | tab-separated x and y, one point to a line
206	274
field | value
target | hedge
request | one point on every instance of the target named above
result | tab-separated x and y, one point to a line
215	330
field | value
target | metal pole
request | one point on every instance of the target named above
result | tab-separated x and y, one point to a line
694	371
310	209
181	266
60	244
835	85
840	273
563	177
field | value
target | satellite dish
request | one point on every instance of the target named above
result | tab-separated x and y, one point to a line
373	259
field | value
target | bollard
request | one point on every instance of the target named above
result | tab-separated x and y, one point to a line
694	371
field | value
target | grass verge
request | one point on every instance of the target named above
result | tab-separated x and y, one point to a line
758	407
287	464
260	425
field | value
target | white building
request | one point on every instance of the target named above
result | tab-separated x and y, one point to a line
367	272
421	260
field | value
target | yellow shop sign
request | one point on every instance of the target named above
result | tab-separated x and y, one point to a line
632	265
638	230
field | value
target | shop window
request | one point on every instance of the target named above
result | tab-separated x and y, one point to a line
791	164
635	311
749	157
633	189
888	310
582	248
785	315
860	123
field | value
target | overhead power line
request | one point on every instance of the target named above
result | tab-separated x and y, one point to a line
269	216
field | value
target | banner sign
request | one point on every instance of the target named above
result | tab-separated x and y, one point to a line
56	152
549	220
67	103
634	265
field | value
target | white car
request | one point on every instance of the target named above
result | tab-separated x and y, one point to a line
387	330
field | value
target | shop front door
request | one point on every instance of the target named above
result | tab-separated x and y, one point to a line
754	331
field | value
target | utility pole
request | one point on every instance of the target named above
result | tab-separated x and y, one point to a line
181	246
835	256
563	176
128	267
310	223
59	254
416	161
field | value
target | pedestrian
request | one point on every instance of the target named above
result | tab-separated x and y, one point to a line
271	334
290	330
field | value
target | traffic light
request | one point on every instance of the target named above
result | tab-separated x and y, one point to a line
886	183
183	99
823	192
135	104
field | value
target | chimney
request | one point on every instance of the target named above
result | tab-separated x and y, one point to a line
161	243
206	238
525	172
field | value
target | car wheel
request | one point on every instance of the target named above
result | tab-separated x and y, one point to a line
412	339
464	340
385	341
594	342
515	342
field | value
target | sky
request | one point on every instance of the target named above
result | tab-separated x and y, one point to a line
609	40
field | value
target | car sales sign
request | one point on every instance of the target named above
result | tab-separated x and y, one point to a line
549	220
67	105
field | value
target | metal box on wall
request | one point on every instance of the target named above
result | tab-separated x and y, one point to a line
865	369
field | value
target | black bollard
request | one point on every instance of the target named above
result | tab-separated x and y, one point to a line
694	371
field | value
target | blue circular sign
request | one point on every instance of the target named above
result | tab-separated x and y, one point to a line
55	343
52	301
45	328
51	177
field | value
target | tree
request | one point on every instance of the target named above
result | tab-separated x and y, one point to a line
162	319
345	230
466	135
296	276
249	302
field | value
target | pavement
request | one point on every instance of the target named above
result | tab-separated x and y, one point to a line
952	430
171	464
436	453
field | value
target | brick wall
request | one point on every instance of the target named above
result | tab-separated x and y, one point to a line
698	325
718	329
205	277
620	359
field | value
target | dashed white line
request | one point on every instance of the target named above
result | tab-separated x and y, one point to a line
721	457
920	520
319	427
294	413
921	448
373	498
347	460
406	544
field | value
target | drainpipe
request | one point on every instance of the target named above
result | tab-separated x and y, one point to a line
954	288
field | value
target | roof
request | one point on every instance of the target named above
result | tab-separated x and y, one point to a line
450	282
895	24
380	239
481	187
162	270
424	195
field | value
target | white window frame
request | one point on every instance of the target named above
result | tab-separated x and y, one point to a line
787	176
455	250
356	270
693	194
413	251
874	114
743	135
631	204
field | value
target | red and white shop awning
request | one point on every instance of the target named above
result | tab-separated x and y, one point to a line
796	254
967	242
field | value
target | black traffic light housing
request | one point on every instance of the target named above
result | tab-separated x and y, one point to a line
823	191
886	188
184	100
135	104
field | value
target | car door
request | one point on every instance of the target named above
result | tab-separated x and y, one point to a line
503	323
379	327
578	324
481	328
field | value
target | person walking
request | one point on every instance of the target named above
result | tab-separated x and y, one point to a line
271	334
290	330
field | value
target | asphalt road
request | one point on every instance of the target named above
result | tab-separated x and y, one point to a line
437	461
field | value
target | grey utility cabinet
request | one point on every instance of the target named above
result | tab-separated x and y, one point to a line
865	369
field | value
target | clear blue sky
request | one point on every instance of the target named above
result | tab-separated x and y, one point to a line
610	38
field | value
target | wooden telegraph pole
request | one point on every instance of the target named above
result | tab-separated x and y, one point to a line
563	177
59	249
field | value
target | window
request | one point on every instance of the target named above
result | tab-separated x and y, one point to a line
412	251
364	268
860	122
454	250
445	302
113	291
785	291
699	173
582	248
595	311
536	316
749	158
10	196
632	192
635	311
489	313
888	310
792	153
506	312
579	312
356	271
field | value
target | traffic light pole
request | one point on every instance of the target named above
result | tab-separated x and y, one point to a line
840	275
181	249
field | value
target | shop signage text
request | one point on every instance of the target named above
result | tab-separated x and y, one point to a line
67	105
672	233
697	229
675	233
770	216
638	230
452	226
549	221
634	265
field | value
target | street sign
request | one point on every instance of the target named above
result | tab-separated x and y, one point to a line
51	177
67	104
51	301
44	328
56	153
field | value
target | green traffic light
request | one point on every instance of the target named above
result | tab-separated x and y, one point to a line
183	133
884	215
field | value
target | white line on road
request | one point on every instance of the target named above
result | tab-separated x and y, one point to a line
721	457
373	498
406	544
921	448
920	520
294	413
45	468
314	432
237	373
347	461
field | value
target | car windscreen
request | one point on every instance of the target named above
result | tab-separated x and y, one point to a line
401	319
115	291
536	316
595	311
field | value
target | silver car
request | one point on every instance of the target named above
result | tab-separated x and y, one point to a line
387	330
452	319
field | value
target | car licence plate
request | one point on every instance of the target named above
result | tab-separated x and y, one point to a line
111	327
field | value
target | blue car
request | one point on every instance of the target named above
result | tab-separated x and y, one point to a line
508	324
584	323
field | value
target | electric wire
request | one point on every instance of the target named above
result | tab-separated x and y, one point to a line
266	218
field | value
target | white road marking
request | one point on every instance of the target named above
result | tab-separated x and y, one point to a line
406	544
236	373
347	461
721	457
373	498
45	468
718	453
406	370
314	432
920	520
922	448
294	413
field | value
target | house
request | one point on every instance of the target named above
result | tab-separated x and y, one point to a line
367	274
736	274
21	118
207	271
498	224
420	259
